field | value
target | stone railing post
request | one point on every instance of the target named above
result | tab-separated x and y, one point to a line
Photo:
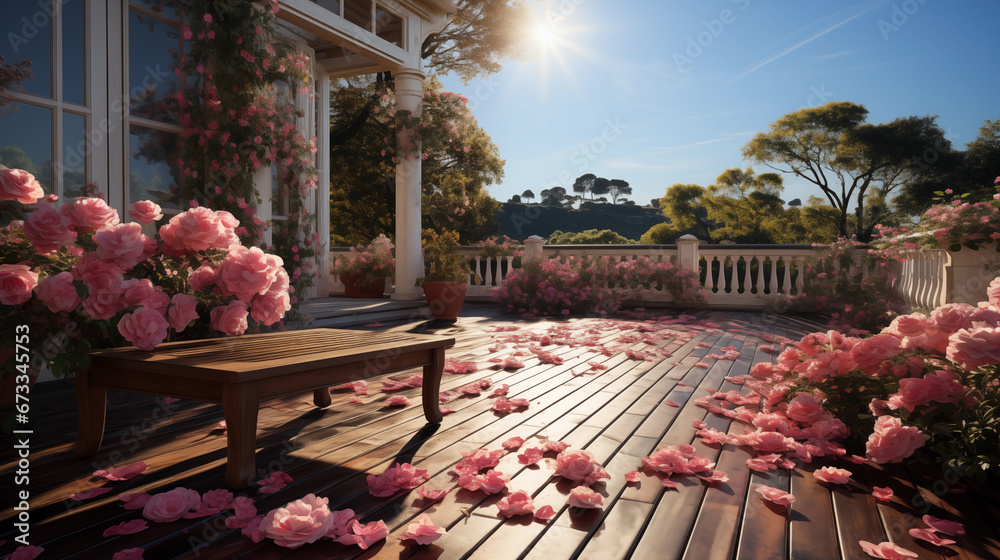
533	248
687	251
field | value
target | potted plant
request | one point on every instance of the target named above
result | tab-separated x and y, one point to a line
364	270
447	276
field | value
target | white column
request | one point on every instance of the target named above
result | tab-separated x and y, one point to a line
687	253
409	261
533	248
323	187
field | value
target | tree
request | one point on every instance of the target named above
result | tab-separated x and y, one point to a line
528	195
479	35
684	207
660	234
600	187
556	196
588	237
516	199
747	207
832	147
459	161
618	188
585	184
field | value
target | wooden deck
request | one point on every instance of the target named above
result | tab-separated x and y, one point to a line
618	414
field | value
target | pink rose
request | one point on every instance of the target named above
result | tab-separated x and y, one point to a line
198	229
364	535
530	456
804	408
422	531
580	466
48	230
230	320
886	551
158	301
183	310
146	211
584	497
776	496
993	292
144	328
270	308
16	283
171	506
90	266
121	244
246	272
103	301
202	278
883	494
952	317
832	475
134	291
299	522
975	347
19	185
872	351
893	442
90	213
518	503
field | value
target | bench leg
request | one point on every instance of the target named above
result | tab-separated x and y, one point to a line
240	404
92	405
321	397
432	386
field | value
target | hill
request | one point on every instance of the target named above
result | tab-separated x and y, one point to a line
520	221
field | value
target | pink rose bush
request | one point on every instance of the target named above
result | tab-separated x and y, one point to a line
81	278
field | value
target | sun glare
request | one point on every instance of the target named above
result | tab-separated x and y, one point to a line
543	33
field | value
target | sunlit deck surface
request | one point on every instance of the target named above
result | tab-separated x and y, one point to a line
619	414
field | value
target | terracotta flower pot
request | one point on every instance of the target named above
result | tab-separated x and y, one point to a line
374	289
445	298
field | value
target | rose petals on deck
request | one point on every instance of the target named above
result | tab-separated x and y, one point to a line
883	494
422	531
944	526
122	473
88	494
452	366
930	536
886	551
127	527
397	400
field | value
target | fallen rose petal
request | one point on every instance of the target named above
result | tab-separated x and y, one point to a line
422	531
126	527
432	495
220	426
169	400
88	494
584	497
944	526
26	552
365	535
513	443
886	551
667	483
930	536
398	400
884	494
135	500
122	473
355	400
632	476
530	456
129	554
776	496
672	403
832	475
544	513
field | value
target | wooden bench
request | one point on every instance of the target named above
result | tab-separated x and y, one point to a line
238	372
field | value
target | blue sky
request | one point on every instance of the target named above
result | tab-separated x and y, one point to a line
665	92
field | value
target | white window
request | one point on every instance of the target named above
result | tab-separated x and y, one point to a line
51	123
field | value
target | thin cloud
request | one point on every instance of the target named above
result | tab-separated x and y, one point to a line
725	138
803	43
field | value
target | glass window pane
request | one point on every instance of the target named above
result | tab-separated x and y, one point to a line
152	54
389	26
74	64
74	162
165	8
26	29
359	12
153	174
277	192
26	141
332	5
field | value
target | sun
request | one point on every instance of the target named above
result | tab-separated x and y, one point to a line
543	34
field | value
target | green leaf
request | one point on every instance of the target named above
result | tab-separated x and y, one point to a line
955	248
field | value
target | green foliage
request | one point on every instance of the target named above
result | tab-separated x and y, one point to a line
442	259
458	161
660	234
832	147
521	220
368	262
588	237
835	285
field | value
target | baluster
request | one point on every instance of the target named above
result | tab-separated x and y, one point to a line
800	280
733	285
709	281
772	282
759	284
786	285
746	274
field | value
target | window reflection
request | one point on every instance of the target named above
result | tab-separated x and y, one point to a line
74	64
166	8
26	141
153	50
332	5
359	12
26	29
389	26
153	170
74	162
